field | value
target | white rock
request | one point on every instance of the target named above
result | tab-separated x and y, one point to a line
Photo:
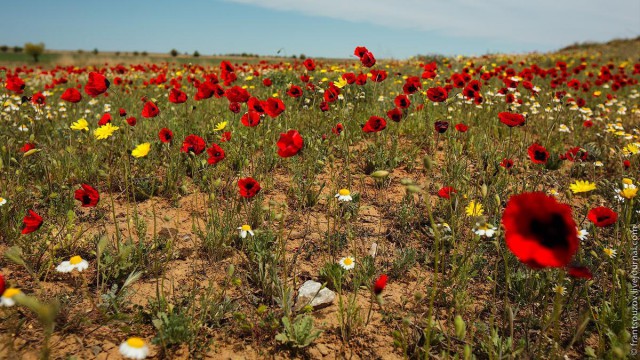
310	294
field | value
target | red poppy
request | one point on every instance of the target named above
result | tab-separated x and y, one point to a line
294	91
27	146
38	99
226	136
290	143
511	119
216	154
236	94
250	119
441	126
587	123
446	192
267	82
367	59
194	144
402	101
122	112
31	222
575	154
165	135
411	85
15	84
132	121
395	114
538	154
88	196
205	91
337	129
540	231
360	51
309	64
324	106
256	105
248	187
2	284
105	119
177	96
331	94
234	107
580	272
274	107
602	216
374	124
626	164
71	95
462	127
437	94
96	85
150	110
506	163
378	75
380	284
349	77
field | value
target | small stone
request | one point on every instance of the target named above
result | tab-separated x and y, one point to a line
373	250
310	293
323	349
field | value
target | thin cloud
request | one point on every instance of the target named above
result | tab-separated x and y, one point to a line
545	23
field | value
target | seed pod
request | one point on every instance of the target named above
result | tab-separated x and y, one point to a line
460	327
380	174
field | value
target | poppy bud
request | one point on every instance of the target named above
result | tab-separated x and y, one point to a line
460	327
380	174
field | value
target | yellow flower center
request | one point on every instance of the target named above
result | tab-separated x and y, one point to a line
135	342
629	193
1	199
11	292
627	181
246	228
344	192
75	260
348	261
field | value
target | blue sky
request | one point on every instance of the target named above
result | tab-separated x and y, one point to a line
327	28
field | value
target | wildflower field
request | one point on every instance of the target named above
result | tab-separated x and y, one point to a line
448	208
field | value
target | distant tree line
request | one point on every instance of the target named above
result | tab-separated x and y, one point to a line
15	49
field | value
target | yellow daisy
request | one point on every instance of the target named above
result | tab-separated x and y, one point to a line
80	125
220	126
581	186
141	150
474	209
629	192
105	131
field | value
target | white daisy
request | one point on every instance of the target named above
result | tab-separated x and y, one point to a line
2	201
244	230
344	195
347	263
582	234
564	128
610	252
134	348
76	262
7	297
485	229
559	289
